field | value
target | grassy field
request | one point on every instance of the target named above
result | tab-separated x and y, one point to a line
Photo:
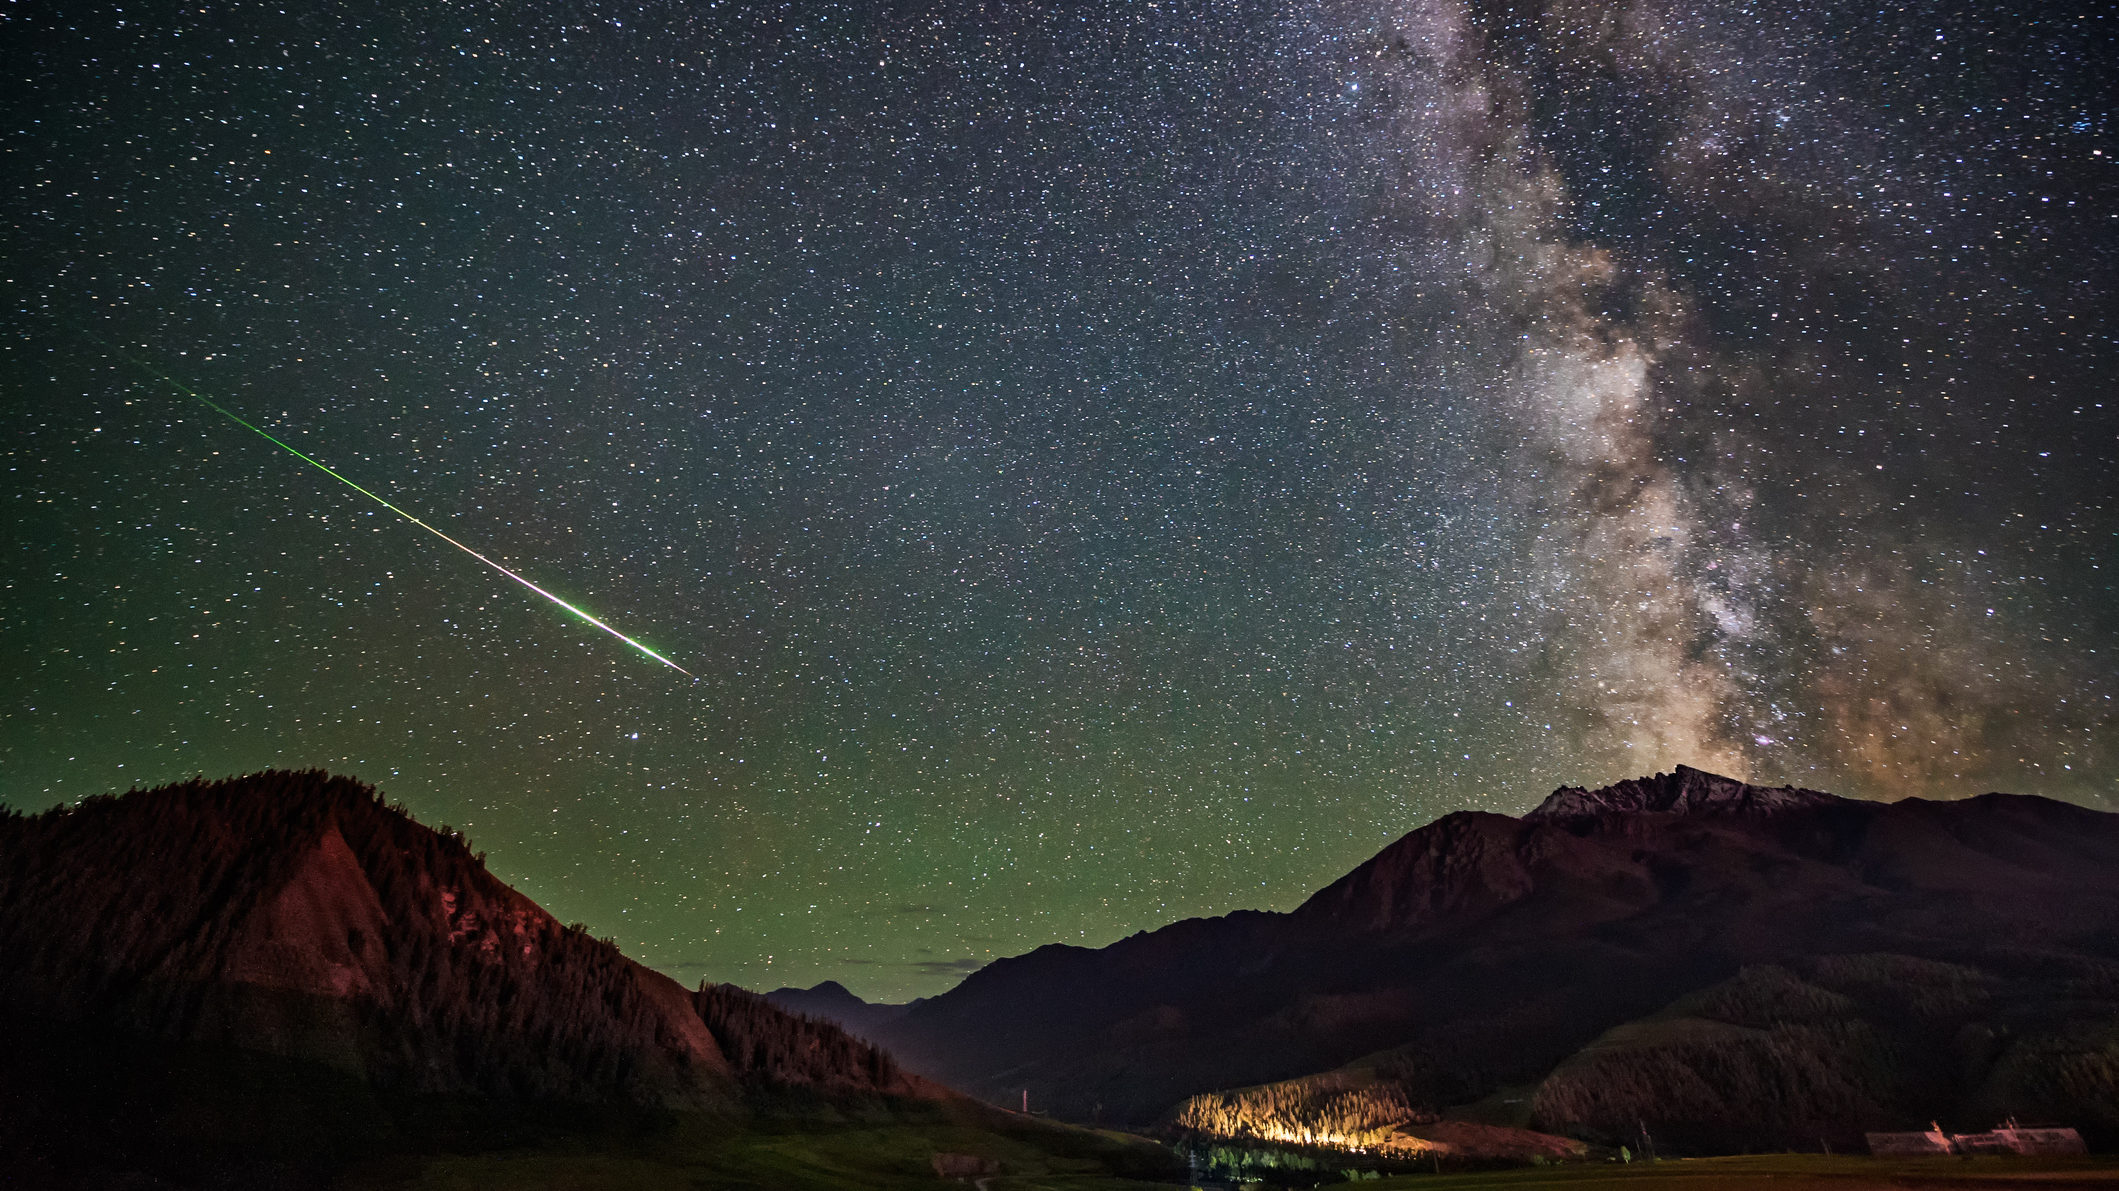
696	1159
78	1109
1789	1172
897	1157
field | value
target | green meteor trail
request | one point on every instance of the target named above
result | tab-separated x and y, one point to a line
202	399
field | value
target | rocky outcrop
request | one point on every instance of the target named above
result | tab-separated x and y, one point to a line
1684	791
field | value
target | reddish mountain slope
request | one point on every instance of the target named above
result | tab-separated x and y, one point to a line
296	915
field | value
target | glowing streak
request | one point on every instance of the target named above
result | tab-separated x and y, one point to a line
202	399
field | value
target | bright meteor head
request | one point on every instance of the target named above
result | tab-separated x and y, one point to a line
202	399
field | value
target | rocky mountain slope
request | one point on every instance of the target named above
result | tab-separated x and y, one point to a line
1483	959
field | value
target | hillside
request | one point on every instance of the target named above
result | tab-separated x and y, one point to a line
284	973
1484	953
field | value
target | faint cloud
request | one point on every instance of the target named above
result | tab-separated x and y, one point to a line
947	967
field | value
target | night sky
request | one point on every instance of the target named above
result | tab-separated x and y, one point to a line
1103	462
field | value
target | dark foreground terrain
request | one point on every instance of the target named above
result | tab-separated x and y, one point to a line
1779	1172
1787	1172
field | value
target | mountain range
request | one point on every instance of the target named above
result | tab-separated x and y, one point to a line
1716	964
284	969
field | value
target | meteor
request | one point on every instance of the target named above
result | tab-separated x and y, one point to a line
209	403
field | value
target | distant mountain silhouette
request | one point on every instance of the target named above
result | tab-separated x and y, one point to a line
292	924
1729	964
831	1001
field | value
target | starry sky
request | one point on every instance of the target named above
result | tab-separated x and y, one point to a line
1102	462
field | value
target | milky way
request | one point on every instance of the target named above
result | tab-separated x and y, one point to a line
1103	462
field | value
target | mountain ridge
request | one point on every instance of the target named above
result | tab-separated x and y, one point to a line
834	1002
297	914
281	980
1482	950
1684	790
